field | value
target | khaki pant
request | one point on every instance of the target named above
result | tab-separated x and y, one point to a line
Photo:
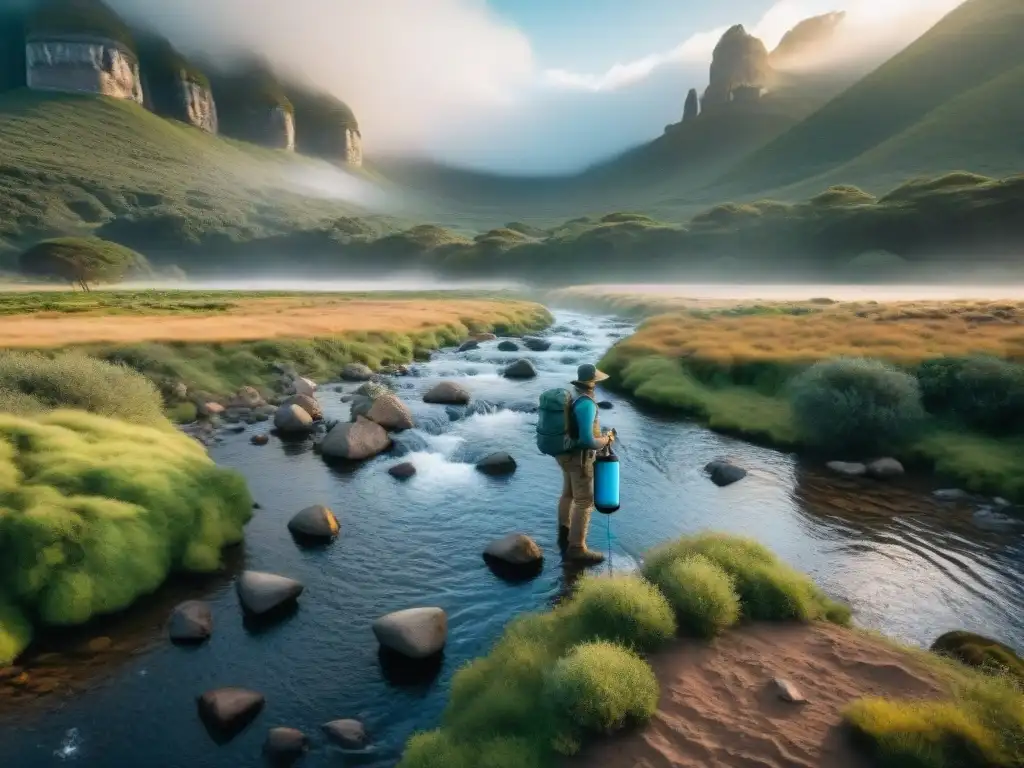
577	499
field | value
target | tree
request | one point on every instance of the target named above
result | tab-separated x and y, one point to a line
81	261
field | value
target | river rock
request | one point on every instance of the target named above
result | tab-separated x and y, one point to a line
786	691
356	372
951	494
508	346
259	439
447	393
179	391
723	473
262	592
497	464
349	734
988	519
848	468
301	386
290	419
360	405
515	549
316	522
246	397
285	744
391	413
308	403
355	441
416	633
1000	503
534	344
884	469
230	709
210	409
373	389
469	346
604	405
520	369
191	622
402	471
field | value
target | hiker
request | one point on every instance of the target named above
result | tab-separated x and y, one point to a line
568	429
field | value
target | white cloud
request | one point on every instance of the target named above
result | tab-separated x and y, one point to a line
871	25
408	68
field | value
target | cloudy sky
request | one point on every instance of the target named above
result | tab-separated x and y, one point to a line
512	85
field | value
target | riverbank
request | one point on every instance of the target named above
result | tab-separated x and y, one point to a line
766	669
201	347
733	365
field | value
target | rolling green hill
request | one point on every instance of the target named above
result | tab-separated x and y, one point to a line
70	163
944	102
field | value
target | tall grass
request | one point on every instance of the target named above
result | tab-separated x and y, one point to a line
97	512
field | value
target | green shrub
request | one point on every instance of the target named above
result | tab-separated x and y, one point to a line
82	261
768	589
702	594
981	652
98	512
31	383
15	631
985	393
856	405
624	609
601	687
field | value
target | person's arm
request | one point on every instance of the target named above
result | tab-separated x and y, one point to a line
586	412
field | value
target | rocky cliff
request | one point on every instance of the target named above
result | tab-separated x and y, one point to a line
739	59
692	108
82	63
807	38
326	127
252	106
174	87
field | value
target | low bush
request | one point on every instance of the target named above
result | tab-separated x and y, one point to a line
702	594
601	687
767	589
985	393
981	653
32	383
856	405
625	610
98	512
982	725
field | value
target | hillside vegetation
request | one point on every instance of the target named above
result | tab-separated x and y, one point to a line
934	88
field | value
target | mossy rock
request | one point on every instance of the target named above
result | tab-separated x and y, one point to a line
79	17
980	652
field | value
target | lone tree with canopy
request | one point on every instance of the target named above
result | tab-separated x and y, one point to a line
82	261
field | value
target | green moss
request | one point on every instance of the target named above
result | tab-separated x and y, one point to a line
98	512
15	631
981	652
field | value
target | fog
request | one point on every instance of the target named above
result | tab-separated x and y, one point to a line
834	291
398	282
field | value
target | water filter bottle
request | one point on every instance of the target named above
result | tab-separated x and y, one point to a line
606	483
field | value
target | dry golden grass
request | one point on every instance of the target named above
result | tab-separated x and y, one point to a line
802	333
259	319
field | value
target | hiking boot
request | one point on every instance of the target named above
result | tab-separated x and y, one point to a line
563	537
583	556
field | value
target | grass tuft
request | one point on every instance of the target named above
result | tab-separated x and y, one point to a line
703	595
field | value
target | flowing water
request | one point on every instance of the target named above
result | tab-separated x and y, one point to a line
910	566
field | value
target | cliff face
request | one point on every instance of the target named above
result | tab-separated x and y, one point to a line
280	133
174	87
83	63
692	107
326	127
739	59
197	104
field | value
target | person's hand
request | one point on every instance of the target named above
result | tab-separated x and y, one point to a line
611	437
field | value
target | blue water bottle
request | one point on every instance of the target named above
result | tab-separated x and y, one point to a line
606	482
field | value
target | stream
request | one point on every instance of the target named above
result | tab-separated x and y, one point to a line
910	566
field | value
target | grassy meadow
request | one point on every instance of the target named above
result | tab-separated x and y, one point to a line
937	384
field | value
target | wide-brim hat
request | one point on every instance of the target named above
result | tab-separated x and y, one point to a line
588	374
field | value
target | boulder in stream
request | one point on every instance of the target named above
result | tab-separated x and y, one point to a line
987	519
226	711
191	622
469	346
308	403
951	494
301	386
261	593
259	439
416	633
285	744
497	465
402	471
447	393
356	372
508	346
535	344
605	405
355	441
391	413
520	369
848	468
316	522
724	473
516	549
348	734
290	419
884	469
360	405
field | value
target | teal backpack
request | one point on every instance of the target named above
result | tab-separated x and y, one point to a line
556	425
